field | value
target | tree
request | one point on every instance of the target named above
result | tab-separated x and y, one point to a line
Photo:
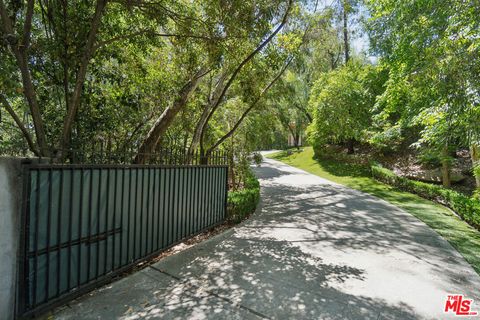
431	47
341	101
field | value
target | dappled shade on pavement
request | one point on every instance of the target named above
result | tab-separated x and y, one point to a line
314	250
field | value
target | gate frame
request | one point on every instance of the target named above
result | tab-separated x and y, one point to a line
22	263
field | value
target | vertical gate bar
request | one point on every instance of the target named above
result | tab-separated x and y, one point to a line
153	209
166	229
200	199
49	218
218	195
114	217
143	214
107	207
186	218
178	213
148	211
192	203
204	199
180	202
170	204
135	218
181	194
194	199
70	225
59	230
80	229
207	196
219	192
99	207
214	195
207	193
163	185
158	246
164	201
141	235
149	214
184	203
35	261
225	199
121	218
174	193
129	211
187	202
168	183
89	225
190	199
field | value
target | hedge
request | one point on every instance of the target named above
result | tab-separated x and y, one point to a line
241	203
467	208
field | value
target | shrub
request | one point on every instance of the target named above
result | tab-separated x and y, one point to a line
257	158
241	203
430	159
467	208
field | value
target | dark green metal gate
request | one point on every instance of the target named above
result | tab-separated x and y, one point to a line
84	224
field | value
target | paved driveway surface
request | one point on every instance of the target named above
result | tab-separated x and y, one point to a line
314	250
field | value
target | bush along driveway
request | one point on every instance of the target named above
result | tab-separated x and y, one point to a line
314	250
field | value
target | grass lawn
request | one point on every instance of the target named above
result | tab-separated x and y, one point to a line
463	237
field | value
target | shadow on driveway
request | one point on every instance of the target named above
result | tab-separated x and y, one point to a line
313	250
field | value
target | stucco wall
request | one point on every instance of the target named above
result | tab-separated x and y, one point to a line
10	208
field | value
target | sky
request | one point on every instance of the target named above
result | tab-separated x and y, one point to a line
359	42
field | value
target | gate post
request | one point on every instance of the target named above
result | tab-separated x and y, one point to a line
11	194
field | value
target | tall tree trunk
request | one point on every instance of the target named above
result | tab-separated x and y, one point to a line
345	31
20	50
296	139
213	99
475	155
351	146
166	118
21	125
446	180
74	100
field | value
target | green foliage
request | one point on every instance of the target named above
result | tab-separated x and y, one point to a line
429	159
341	101
241	203
467	208
431	49
141	58
388	140
257	158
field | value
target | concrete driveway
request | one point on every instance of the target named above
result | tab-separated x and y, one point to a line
314	250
